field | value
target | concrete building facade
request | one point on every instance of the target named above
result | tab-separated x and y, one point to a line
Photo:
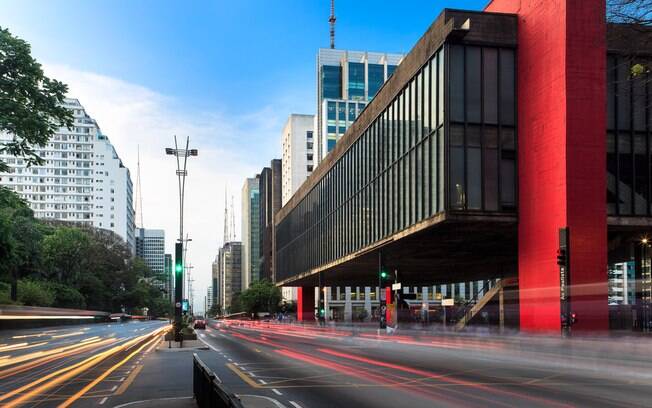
298	153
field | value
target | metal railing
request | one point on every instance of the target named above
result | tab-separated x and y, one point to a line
208	389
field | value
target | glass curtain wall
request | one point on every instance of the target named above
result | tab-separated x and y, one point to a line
394	175
628	138
482	129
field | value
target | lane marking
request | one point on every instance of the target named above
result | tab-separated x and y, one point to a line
150	400
270	399
294	404
242	376
277	392
130	379
114	388
263	382
103	400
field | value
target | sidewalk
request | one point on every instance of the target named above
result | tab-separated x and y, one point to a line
165	380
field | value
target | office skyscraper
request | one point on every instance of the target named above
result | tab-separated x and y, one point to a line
250	231
346	82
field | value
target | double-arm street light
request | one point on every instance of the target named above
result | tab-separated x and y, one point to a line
182	160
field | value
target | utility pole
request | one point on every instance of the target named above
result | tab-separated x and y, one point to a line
182	160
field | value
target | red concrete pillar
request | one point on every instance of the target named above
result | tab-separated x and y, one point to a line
388	300
561	157
306	303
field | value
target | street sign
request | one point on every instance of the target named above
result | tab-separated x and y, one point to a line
396	286
447	302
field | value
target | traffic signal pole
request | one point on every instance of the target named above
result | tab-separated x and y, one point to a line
182	158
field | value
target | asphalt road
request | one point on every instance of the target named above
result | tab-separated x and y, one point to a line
62	366
313	367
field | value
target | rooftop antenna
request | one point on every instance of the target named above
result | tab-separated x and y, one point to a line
331	21
226	219
139	195
232	221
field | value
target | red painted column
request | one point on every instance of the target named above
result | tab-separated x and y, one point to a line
306	303
388	300
561	157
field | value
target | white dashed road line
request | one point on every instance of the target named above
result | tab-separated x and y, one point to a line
277	392
295	405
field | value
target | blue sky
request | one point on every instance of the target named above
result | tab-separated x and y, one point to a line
226	73
233	55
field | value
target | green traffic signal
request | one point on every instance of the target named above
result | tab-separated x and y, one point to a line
179	268
383	274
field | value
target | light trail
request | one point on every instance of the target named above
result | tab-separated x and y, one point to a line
37	387
59	336
99	379
22	346
52	356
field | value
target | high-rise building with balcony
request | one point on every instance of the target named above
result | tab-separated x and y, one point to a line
82	179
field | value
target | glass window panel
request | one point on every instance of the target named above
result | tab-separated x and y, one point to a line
611	94
426	100
457	136
508	182
473	84
418	192
623	92
440	88
331	81
457	190
640	101
413	186
626	184
418	106
456	86
351	112
641	169
376	78
490	175
490	84
390	70
474	178
473	135
612	171
426	186
356	81
507	88
440	169
434	182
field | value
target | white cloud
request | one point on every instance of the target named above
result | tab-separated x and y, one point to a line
230	149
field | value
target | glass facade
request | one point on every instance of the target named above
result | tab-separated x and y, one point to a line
482	129
356	81
376	79
395	174
628	138
331	79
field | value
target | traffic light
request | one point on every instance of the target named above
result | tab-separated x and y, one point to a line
573	318
322	309
561	257
383	273
178	261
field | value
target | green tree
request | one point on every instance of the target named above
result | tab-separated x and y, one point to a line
215	310
30	102
20	236
261	296
35	293
66	252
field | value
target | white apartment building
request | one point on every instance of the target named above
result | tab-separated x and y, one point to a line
74	184
299	153
112	192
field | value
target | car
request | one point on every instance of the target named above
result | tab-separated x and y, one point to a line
199	324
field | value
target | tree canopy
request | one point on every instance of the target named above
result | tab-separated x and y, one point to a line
30	102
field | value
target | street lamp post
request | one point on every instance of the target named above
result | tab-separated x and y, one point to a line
182	160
